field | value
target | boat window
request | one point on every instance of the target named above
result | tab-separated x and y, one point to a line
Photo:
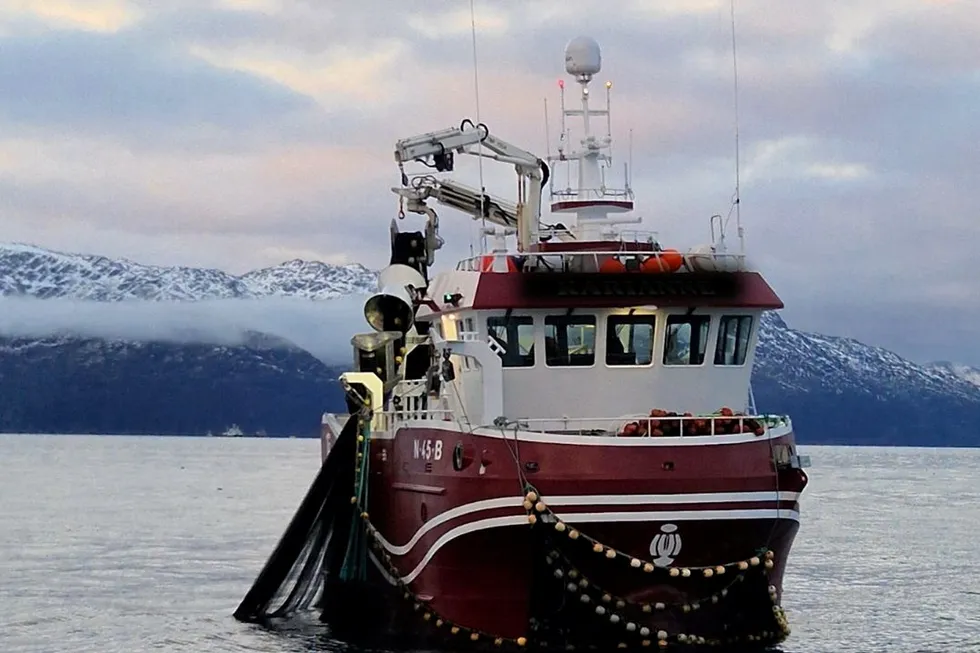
569	340
733	339
514	337
686	339
629	339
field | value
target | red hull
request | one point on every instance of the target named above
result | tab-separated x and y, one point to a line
451	527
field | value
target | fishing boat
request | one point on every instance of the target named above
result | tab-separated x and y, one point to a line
553	443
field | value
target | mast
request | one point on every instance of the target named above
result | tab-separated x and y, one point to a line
592	201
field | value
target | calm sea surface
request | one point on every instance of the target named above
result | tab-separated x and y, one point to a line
124	544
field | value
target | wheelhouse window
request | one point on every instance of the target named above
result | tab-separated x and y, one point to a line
686	339
733	339
514	339
629	339
569	340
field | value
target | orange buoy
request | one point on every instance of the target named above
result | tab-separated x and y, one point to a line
486	263
672	259
669	260
653	264
612	265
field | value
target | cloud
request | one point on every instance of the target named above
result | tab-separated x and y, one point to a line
229	132
281	192
110	86
94	15
324	328
798	158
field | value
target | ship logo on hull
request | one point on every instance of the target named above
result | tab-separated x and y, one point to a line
666	545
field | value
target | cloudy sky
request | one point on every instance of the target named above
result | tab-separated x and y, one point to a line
240	133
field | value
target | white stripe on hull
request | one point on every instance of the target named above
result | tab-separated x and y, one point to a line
518	520
587	500
381	568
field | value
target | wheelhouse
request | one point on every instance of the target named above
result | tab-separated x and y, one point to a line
580	363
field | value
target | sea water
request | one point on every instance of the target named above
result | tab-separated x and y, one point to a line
126	544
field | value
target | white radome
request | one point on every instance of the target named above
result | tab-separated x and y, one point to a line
583	56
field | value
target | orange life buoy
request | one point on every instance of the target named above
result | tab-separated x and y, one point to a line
669	260
486	263
612	266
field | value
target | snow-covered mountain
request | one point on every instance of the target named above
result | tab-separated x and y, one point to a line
965	372
812	362
26	270
841	391
838	390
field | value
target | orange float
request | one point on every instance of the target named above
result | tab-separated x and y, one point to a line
669	260
486	263
611	266
723	422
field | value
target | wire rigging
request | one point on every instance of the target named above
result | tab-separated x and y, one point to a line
476	93
736	199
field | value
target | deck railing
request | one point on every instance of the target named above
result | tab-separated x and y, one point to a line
591	261
586	232
655	426
601	193
391	418
624	426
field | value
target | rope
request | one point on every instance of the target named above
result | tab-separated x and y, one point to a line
626	616
354	566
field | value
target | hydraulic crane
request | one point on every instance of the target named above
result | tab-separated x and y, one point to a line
437	150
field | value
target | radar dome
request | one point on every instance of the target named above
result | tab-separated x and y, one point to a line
582	56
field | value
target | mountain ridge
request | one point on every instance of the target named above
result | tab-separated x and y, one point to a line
968	373
838	390
32	271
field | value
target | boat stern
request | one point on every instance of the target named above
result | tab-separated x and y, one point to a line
331	424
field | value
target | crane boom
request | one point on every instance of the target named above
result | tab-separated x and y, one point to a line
461	197
437	150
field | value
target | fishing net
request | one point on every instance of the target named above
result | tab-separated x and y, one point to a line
314	545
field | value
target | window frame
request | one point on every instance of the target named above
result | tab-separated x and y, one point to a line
694	321
520	321
626	319
736	318
567	320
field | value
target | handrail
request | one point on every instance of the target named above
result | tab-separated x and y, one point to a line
586	260
643	425
592	193
389	418
658	426
645	236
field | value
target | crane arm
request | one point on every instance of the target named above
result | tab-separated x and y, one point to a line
437	150
461	197
440	147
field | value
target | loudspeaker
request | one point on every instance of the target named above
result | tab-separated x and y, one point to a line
392	309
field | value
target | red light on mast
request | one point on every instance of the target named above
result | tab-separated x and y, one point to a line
561	83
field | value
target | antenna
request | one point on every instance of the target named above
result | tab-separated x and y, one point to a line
737	199
547	139
629	172
476	92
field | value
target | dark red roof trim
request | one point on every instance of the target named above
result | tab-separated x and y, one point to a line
597	290
584	204
592	246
